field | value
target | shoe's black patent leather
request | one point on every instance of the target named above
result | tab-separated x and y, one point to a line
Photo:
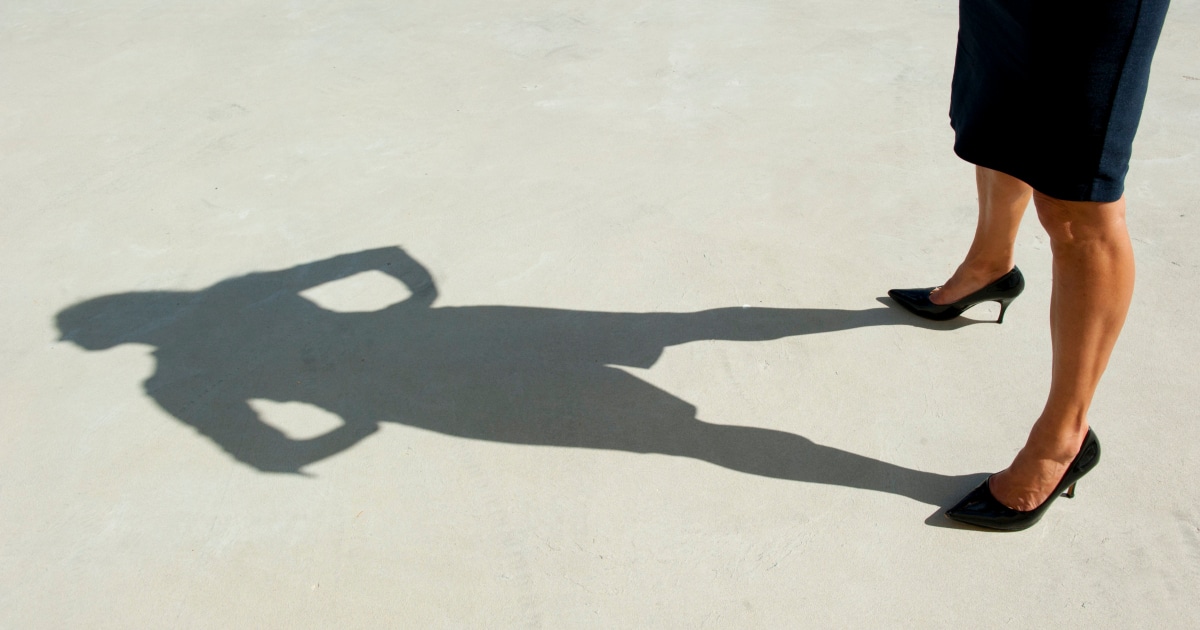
981	508
1004	290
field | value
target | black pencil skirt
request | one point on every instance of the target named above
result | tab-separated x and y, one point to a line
1051	91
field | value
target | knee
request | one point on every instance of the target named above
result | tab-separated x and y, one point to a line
1081	223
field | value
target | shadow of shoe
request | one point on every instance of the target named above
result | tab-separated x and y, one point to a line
962	321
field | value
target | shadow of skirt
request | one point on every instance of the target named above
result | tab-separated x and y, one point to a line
1051	91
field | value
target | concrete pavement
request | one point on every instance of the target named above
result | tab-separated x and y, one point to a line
550	314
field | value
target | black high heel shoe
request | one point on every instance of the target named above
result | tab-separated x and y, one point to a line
982	509
1004	290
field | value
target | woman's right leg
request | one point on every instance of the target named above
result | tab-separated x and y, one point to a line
1002	203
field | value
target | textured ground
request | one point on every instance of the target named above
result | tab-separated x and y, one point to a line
433	314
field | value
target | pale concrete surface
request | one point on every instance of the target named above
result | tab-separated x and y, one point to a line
562	169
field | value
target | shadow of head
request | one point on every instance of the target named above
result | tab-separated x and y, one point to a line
111	320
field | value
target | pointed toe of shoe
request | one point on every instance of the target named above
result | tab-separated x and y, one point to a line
910	297
916	301
981	509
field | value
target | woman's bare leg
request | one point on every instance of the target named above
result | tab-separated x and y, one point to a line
1002	203
1093	285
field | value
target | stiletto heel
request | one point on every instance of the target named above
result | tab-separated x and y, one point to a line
981	508
1004	290
1003	307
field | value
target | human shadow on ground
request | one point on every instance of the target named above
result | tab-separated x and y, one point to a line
518	375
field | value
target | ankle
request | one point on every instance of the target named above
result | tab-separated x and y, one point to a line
1057	441
986	268
972	275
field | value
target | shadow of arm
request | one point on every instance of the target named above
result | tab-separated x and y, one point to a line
236	428
393	261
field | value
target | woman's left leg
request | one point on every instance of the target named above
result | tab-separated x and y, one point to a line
1092	288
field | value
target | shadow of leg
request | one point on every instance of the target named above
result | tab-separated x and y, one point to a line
782	455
